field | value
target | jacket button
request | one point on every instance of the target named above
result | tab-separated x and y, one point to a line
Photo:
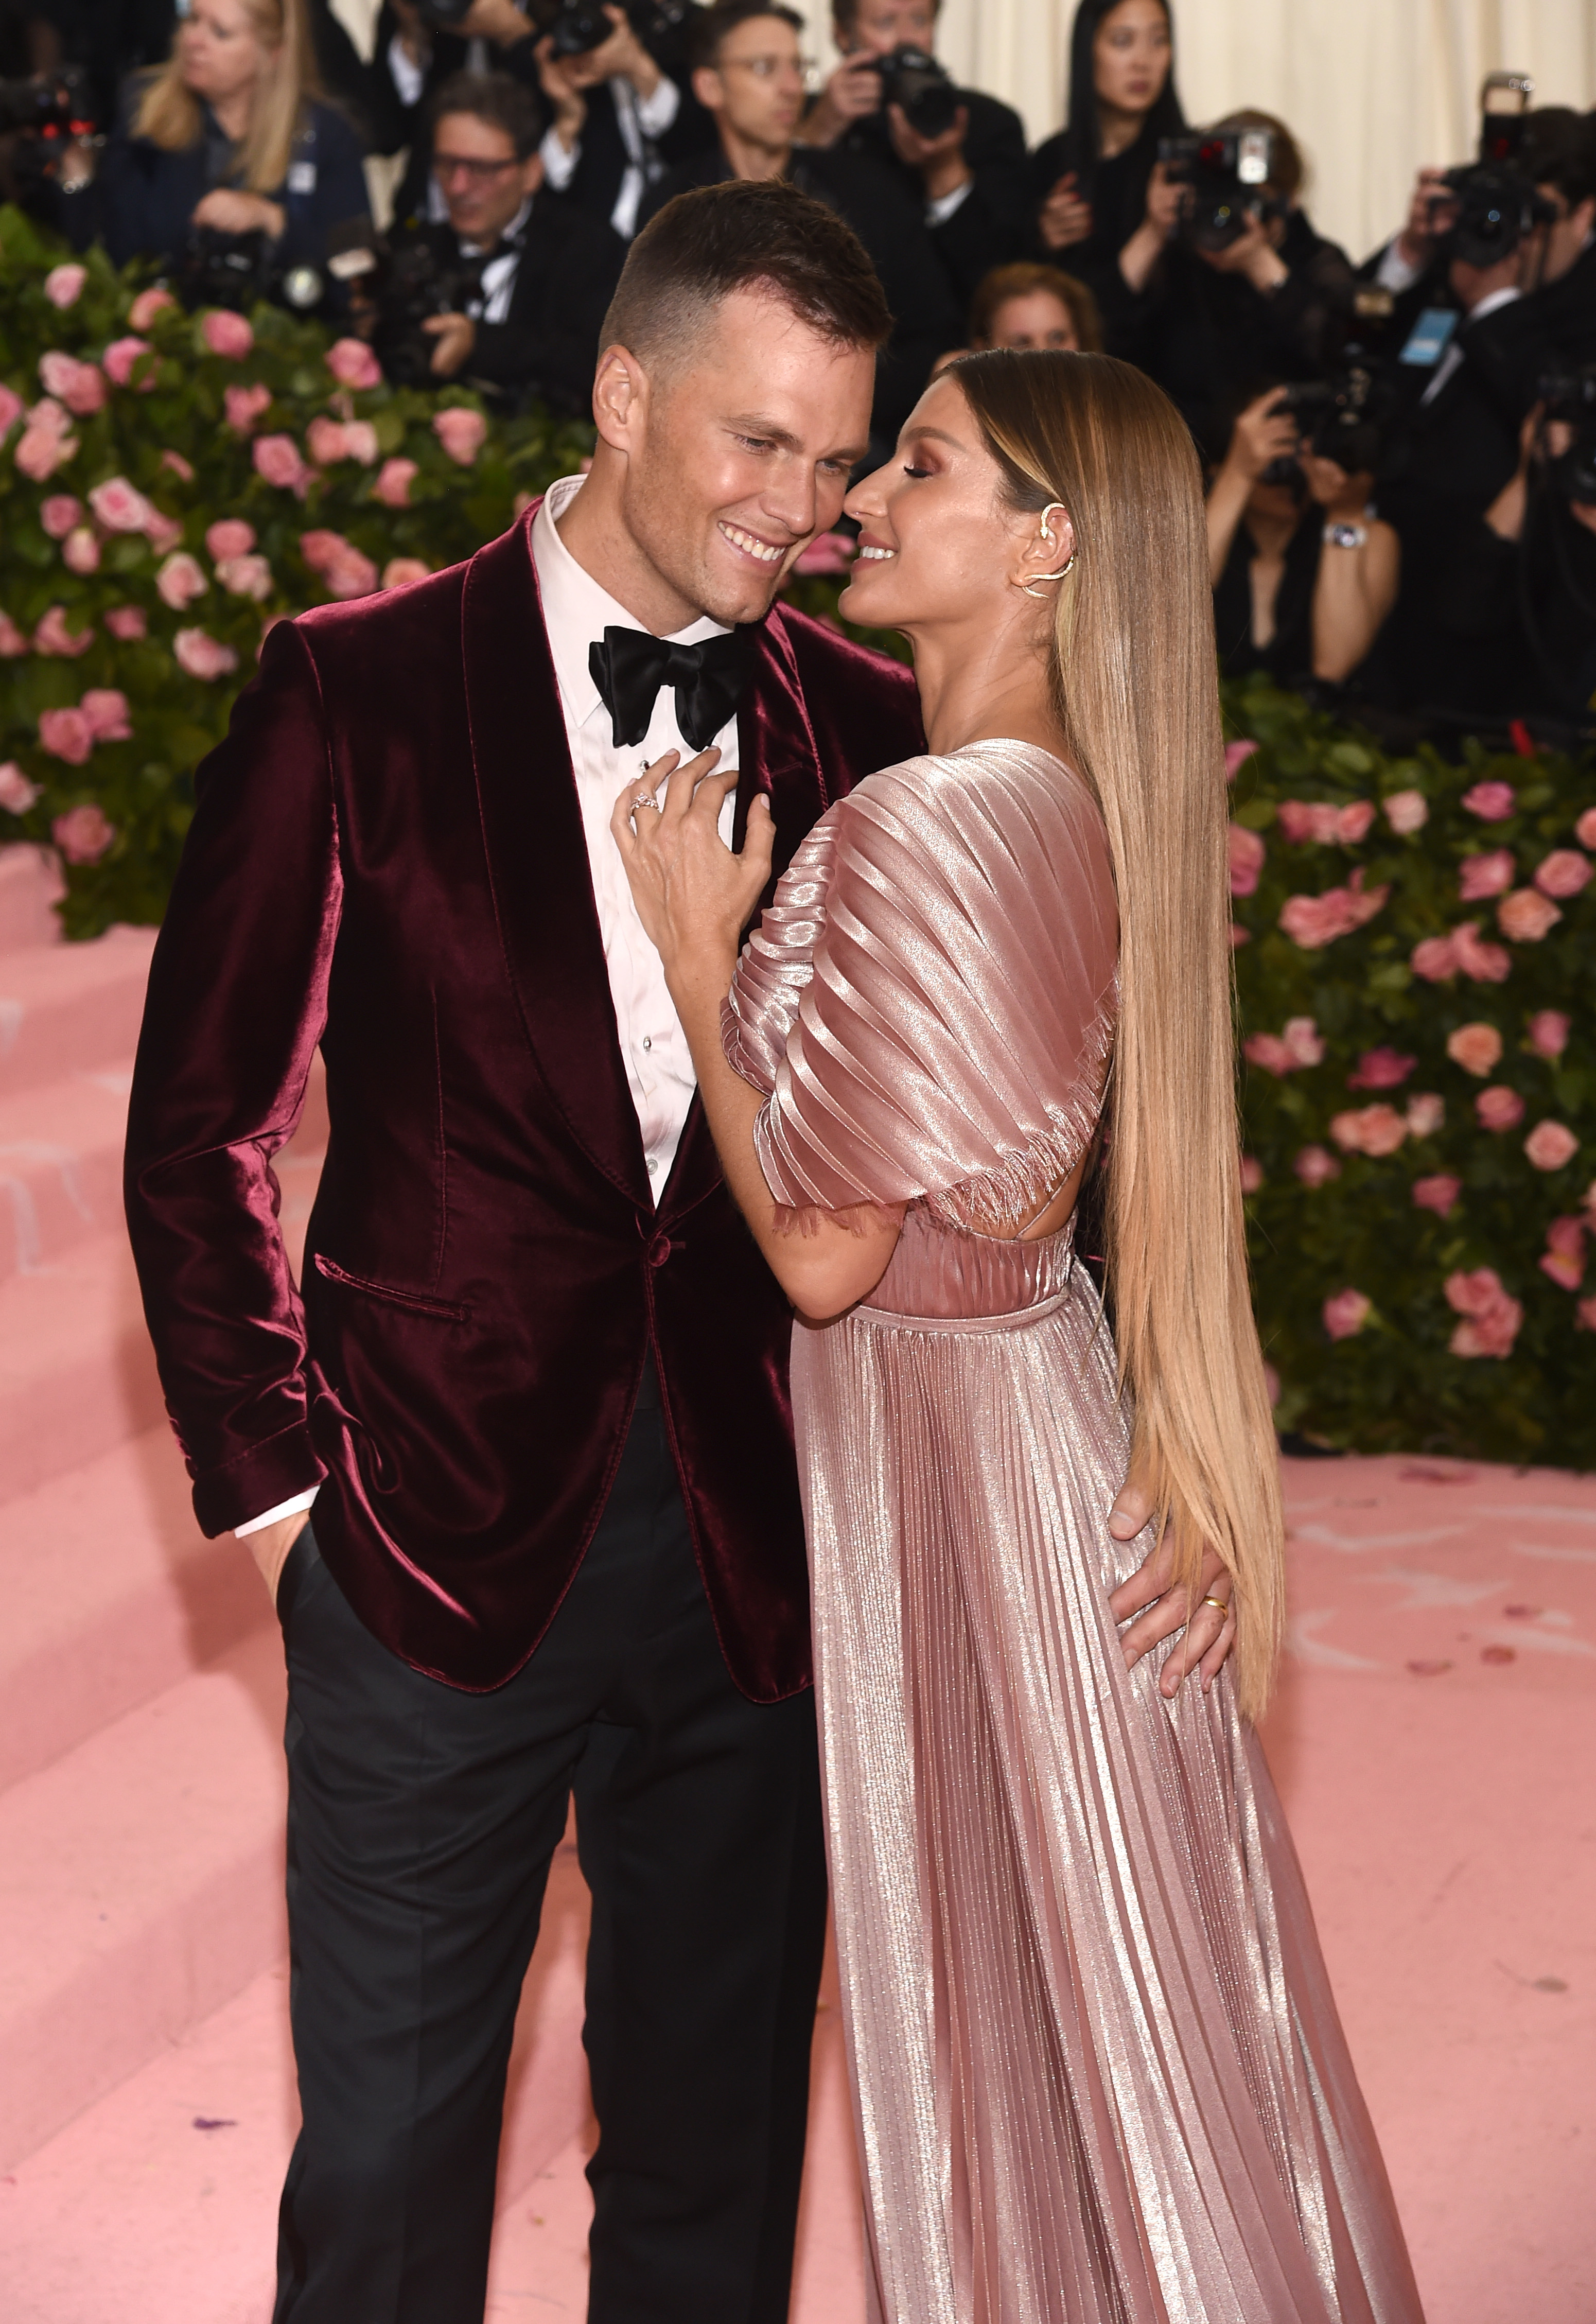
660	1251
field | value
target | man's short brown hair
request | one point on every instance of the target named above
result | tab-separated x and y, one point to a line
1022	278
744	234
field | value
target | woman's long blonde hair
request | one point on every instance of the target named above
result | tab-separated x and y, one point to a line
1136	690
171	116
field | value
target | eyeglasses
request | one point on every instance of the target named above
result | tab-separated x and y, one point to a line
446	166
767	68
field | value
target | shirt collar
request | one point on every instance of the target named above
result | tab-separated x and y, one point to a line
1489	306
502	242
576	611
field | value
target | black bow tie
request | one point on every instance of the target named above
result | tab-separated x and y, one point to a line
629	666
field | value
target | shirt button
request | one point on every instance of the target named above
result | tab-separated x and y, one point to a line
648	1044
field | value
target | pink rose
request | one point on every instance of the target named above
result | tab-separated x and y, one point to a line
66	734
42	449
1374	1130
127	621
17	794
1352	824
52	636
105	709
1307	823
1527	916
1425	1113
1486	875
1584	830
1549	1032
226	334
1499	1109
1238	935
177	465
400	571
392	485
245	576
80	551
1315	1166
148	305
1252	1173
1568	1235
81	386
1482	964
1380	1069
1304	1040
829	552
12	641
164	532
352	363
1247	858
1491	1320
60	513
325	440
1437	1193
1564	1256
1236	755
1550	1145
203	656
277	459
10	408
1312	921
1268	1050
180	580
49	415
83	834
230	537
1564	872
63	284
1477	1048
347	572
244	406
120	508
360	441
1407	811
1568	1273
461	433
1491	802
1346	1314
1586	1313
120	357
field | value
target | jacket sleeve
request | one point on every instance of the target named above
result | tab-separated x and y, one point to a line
236	1003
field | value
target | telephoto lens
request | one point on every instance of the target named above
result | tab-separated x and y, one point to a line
912	78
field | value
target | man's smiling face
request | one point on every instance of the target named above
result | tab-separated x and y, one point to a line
743	453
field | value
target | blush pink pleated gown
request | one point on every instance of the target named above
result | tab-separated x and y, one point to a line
1098	2072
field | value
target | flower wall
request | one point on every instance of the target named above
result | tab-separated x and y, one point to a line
171	484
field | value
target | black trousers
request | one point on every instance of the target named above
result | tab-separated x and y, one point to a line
421	1824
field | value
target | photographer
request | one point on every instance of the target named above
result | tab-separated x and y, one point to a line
957	151
1026	305
1247	290
1104	208
540	273
749	79
1305	575
229	137
622	112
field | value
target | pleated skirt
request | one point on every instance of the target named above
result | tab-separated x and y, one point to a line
1098	2073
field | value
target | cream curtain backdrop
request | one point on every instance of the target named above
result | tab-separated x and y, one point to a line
1372	88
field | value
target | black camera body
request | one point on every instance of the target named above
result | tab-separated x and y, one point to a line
52	106
1570	396
1341	418
240	270
1226	178
409	283
577	27
1496	209
912	78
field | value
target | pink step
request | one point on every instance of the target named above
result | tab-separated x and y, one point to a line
66	1006
60	1165
30	884
111	1594
77	1376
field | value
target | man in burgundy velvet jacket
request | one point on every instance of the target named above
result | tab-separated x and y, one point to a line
535	1381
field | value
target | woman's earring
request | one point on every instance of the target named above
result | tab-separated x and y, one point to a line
1046	530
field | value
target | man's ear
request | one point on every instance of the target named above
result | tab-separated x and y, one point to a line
531	174
707	88
620	398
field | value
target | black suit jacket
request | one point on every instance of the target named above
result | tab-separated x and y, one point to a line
547	344
992	224
387	860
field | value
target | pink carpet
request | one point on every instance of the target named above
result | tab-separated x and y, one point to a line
1432	1736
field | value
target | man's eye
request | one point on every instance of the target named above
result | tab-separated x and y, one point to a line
755	443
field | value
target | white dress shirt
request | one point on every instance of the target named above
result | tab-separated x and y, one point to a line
654	1047
640	120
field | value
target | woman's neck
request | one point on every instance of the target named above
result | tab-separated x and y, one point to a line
1117	130
970	693
1272	536
232	113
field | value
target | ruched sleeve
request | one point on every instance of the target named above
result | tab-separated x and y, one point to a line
929	1002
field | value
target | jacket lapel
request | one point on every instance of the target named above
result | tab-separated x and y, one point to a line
536	859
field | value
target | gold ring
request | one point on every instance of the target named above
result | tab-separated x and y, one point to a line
1221	1602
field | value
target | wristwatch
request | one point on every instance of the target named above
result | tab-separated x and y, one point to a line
1344	536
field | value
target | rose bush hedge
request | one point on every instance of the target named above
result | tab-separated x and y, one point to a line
169	486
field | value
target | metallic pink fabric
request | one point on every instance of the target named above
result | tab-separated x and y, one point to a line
1098	2071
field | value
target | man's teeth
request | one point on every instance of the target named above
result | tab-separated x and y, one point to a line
875	555
753	545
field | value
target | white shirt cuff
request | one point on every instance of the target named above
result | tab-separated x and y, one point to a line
655	113
409	78
560	162
1396	273
283	1509
938	212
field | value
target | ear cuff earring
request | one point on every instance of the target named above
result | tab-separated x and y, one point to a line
1029	587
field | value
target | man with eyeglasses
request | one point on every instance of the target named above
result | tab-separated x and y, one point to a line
750	76
545	272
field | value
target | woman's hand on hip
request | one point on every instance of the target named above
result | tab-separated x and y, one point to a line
1161	1605
693	895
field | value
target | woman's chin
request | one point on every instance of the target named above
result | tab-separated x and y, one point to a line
861	600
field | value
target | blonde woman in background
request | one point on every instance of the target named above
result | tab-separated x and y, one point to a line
1099	2074
231	134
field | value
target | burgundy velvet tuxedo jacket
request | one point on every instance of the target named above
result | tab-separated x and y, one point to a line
387	859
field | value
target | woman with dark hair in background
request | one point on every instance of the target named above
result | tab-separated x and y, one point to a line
1102	197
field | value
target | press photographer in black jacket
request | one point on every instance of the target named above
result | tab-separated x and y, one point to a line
544	272
971	172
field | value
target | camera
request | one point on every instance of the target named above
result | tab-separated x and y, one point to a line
406	282
1496	209
1226	178
1569	397
1343	417
913	78
240	270
51	105
579	26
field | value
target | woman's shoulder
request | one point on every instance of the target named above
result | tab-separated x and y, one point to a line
983	782
334	132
